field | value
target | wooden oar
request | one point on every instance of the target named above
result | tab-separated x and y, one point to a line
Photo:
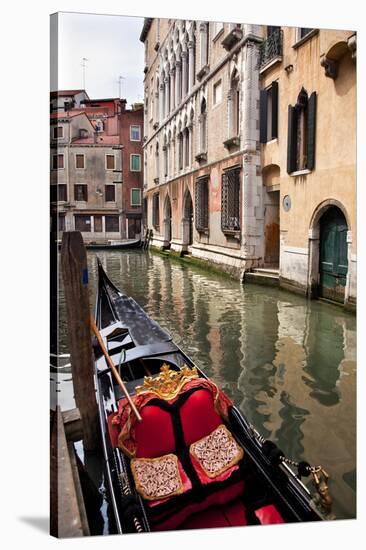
113	368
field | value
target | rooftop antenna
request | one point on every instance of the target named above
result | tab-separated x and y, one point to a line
120	78
83	64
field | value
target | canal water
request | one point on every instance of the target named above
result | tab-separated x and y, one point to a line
289	364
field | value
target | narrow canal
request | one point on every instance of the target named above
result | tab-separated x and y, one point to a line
288	363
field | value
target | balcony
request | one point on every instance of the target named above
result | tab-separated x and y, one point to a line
270	51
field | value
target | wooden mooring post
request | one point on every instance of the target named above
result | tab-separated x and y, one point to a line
75	279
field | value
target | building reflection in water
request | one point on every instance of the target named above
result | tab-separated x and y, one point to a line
289	364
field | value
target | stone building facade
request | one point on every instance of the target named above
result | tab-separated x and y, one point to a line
249	150
96	169
308	135
202	182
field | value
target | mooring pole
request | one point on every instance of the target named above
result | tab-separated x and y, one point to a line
75	279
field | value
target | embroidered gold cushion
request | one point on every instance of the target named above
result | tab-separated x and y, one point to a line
157	478
217	452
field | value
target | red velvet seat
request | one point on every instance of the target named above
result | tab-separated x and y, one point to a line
155	437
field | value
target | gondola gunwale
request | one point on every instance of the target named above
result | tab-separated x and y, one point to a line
293	493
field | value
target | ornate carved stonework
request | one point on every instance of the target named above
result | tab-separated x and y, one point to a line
330	67
352	44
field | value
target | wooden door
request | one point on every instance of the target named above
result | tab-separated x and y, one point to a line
333	264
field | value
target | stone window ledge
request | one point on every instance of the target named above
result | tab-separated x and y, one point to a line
270	63
300	173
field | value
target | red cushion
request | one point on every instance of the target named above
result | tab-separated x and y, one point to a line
218	498
230	515
205	479
198	416
154	435
186	482
269	515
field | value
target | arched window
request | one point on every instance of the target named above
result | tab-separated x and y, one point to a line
186	146
203	127
165	149
301	133
157	99
157	163
180	150
163	100
234	105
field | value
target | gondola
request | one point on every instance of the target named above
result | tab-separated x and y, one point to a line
194	461
115	246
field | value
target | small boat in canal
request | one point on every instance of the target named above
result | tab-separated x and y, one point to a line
178	453
115	245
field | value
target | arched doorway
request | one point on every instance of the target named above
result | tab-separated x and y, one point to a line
271	203
167	222
187	221
333	254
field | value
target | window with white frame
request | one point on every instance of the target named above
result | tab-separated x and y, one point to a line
109	162
135	197
110	193
58	132
135	133
217	92
58	162
135	163
80	161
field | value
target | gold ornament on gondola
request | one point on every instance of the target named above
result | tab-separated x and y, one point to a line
168	383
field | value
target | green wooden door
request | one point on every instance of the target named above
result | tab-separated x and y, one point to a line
333	255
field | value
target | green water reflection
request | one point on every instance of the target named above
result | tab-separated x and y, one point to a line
289	364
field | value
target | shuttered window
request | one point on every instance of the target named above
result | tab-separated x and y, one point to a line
58	162
269	113
112	224
136	197
155	210
109	162
58	132
110	193
201	204
301	133
230	200
80	161
135	163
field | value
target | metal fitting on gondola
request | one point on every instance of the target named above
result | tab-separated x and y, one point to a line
320	479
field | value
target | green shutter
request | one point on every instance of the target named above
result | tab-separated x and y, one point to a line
311	132
135	163
291	140
135	197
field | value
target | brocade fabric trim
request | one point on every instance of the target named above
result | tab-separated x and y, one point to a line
157	478
217	451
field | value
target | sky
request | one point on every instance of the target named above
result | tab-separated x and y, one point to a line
112	47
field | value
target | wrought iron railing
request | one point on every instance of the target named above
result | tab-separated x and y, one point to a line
271	48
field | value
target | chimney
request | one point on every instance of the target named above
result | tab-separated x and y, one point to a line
123	104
